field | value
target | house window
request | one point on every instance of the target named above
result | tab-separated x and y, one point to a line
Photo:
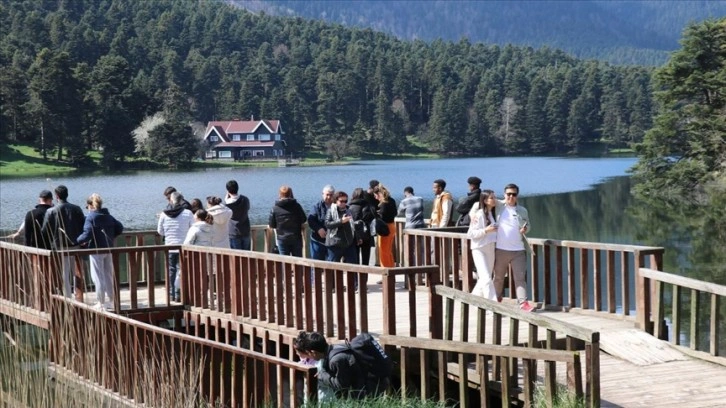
250	137
213	138
264	136
236	138
258	153
225	154
277	136
211	154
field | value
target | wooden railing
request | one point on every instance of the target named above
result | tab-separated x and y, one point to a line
296	293
138	268
482	374
680	286
558	335
562	274
26	280
593	276
159	367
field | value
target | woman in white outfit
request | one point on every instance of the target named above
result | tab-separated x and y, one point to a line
483	235
220	228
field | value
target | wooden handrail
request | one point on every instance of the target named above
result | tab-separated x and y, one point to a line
590	339
548	323
714	293
120	354
501	359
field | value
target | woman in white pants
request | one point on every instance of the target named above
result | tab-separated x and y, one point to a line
483	235
99	231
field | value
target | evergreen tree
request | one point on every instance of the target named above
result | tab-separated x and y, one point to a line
54	103
537	117
683	154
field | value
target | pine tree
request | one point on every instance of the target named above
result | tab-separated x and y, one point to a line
685	150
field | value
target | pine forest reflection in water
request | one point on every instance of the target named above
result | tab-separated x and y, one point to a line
693	239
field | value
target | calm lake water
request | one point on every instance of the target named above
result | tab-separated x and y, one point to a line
136	198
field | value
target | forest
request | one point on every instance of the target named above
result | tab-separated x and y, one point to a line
135	79
635	32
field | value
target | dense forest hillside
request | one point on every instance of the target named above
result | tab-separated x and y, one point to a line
621	32
81	75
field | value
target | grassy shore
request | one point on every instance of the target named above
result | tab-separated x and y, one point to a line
23	161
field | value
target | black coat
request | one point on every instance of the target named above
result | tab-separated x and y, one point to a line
33	225
342	372
387	211
465	205
240	216
63	223
287	218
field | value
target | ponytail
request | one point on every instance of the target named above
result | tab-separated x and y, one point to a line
205	216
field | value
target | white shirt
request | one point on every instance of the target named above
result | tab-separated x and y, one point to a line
508	236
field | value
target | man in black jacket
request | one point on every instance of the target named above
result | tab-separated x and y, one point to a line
63	224
33	222
239	224
466	203
339	373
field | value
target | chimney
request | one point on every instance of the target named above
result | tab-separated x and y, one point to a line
253	118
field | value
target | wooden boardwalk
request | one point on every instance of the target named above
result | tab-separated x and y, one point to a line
582	339
636	369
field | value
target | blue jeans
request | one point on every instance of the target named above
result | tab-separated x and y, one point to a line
318	250
240	243
294	248
173	270
350	255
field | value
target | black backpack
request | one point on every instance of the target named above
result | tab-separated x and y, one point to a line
370	355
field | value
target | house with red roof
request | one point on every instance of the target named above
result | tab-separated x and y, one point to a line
244	140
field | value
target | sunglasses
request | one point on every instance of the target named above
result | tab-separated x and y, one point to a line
512	194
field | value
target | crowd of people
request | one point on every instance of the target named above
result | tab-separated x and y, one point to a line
342	228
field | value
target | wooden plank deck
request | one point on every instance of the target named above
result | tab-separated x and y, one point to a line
636	369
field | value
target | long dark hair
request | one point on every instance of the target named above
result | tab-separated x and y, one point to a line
483	197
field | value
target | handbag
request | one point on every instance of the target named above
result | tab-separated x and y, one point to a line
379	227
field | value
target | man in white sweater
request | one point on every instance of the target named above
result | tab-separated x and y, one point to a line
174	223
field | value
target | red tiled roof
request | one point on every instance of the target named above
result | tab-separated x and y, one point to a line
254	143
224	128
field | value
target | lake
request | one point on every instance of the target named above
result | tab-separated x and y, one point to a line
136	198
585	199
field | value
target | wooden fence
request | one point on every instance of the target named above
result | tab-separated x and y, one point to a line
296	293
562	274
158	367
481	375
558	335
26	280
697	291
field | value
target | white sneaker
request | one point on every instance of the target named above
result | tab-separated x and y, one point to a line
108	305
99	306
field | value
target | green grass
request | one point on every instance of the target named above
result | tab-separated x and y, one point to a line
24	161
